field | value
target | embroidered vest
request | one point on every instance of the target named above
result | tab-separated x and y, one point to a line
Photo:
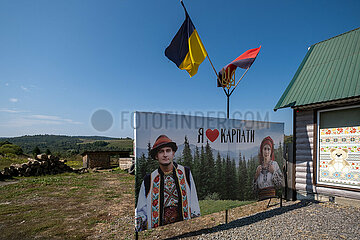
156	192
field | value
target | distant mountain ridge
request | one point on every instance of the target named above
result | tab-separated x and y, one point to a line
69	145
62	136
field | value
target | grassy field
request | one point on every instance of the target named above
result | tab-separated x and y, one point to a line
95	205
6	161
74	162
212	206
66	206
120	143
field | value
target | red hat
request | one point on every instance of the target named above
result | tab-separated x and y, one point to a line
162	141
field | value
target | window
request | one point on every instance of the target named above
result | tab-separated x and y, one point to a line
338	153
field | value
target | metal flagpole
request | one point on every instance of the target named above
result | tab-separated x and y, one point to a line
208	57
211	63
228	94
239	80
228	104
217	76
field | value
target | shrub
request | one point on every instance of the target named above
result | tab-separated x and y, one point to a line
36	151
10	149
213	196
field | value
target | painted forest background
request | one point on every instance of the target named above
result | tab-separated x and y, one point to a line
215	177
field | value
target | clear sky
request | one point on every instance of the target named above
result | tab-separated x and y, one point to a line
63	61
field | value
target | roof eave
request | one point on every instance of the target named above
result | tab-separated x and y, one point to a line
333	103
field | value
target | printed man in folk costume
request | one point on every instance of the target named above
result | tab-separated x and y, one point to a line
168	194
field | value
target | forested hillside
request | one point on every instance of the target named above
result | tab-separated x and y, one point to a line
66	146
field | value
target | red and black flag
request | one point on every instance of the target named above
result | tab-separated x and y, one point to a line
186	49
245	61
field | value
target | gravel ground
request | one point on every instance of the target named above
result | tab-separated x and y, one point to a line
299	220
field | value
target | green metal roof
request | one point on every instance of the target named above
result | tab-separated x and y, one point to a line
329	71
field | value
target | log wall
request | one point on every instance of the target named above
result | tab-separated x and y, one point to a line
96	160
304	170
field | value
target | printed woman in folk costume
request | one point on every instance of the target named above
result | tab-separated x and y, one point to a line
168	194
268	176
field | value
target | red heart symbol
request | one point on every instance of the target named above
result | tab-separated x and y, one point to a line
212	135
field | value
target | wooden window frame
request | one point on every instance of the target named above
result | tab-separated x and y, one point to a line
316	144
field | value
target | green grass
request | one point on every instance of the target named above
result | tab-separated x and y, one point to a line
212	206
75	164
119	144
72	206
46	207
74	161
122	144
6	161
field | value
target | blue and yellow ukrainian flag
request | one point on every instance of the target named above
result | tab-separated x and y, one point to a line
186	49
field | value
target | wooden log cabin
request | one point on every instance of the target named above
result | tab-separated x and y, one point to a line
325	97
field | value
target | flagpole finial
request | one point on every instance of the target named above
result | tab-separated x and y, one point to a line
183	5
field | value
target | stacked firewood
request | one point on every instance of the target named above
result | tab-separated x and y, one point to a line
42	165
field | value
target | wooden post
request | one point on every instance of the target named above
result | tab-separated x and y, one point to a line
226	216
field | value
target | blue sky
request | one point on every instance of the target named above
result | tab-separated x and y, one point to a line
61	61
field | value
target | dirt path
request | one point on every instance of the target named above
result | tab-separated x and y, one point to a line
7	182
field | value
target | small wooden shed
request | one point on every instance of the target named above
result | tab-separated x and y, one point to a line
126	163
325	97
93	159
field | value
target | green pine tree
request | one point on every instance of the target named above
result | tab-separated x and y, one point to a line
202	189
234	181
253	162
140	172
36	151
223	188
228	179
279	156
48	152
152	164
219	175
243	178
209	169
187	159
195	170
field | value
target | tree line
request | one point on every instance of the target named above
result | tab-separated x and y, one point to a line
67	146
7	147
216	177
